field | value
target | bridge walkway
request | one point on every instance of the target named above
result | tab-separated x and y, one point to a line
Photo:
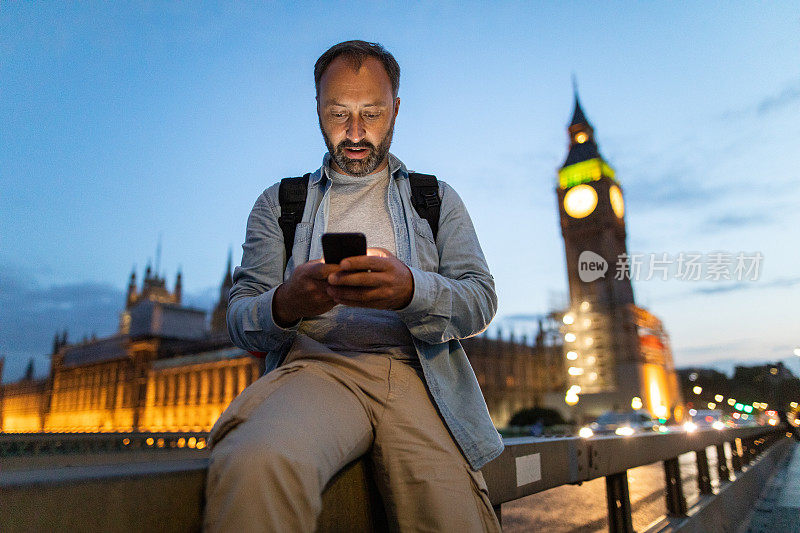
778	509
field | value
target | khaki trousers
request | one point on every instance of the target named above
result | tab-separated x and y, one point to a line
285	436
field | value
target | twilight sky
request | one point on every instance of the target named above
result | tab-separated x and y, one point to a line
120	122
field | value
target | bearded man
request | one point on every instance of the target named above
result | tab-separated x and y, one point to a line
362	357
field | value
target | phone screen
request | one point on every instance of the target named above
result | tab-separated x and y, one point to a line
337	246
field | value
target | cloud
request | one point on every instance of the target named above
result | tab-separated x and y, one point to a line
30	315
746	286
731	220
675	185
777	101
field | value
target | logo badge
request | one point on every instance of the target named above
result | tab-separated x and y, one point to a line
591	266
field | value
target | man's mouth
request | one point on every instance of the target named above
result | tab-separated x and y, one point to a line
356	153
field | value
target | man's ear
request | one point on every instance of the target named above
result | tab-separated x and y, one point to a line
396	106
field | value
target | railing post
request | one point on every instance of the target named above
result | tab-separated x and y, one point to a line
619	503
736	459
722	464
745	451
676	502
703	473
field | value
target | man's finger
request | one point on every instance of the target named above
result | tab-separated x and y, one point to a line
379	252
366	262
357	297
321	270
358	278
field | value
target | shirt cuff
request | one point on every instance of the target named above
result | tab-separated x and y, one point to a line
423	296
265	317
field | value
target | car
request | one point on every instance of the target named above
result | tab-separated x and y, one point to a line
621	423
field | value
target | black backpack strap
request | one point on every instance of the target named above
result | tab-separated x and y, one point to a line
292	199
425	198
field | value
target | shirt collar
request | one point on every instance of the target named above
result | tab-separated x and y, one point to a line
397	169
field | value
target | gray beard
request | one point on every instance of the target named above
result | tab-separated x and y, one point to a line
359	167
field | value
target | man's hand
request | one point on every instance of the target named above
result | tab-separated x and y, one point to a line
377	280
304	294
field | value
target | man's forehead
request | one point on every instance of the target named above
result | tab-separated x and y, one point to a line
344	69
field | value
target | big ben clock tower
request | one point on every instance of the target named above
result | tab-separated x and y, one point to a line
607	368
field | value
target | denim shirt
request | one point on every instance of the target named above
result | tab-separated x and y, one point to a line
453	298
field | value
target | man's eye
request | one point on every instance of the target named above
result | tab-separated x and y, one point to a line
371	115
338	114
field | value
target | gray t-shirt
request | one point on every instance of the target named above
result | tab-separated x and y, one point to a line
360	204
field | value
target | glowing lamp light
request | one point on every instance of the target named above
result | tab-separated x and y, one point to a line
773	422
697	389
736	416
149	441
692	412
748	408
575	371
585	432
572	355
625	431
591	359
793	405
569	318
718	425
571	398
661	411
690	427
581	137
636	403
587	322
617	204
588	341
576	389
585	306
580	201
570	337
593	376
731	402
718	397
712	405
739	407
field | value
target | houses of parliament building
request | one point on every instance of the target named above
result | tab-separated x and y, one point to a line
169	368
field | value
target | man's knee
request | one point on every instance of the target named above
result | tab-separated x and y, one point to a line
262	462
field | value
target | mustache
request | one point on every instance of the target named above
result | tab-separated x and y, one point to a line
350	144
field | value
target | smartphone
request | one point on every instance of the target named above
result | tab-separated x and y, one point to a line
337	246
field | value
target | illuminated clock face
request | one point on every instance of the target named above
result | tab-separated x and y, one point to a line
580	201
581	137
617	204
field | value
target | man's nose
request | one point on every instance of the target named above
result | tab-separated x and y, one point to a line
355	129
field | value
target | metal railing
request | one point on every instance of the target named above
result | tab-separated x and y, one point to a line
530	465
16	445
527	466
